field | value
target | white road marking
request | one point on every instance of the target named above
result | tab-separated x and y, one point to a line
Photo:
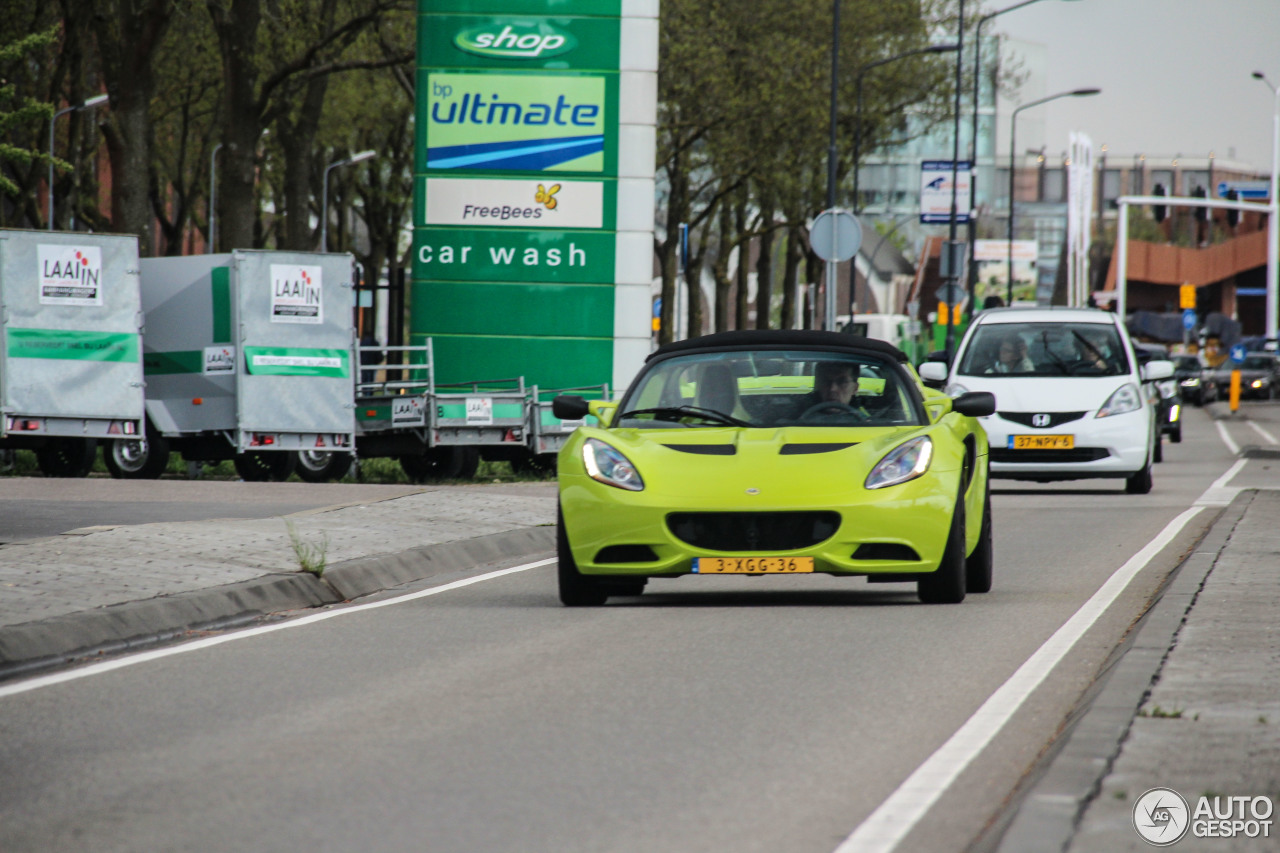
1271	439
196	645
1226	439
886	827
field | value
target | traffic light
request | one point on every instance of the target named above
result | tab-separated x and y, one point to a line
1201	213
1159	210
1233	214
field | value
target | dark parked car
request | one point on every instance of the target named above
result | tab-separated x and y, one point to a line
1169	409
1195	379
1259	375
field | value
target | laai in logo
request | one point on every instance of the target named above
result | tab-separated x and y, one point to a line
70	275
220	359
515	41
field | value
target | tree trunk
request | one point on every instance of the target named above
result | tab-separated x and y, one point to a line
790	277
720	270
237	28
741	274
297	143
764	264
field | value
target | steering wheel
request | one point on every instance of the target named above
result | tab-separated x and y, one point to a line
830	407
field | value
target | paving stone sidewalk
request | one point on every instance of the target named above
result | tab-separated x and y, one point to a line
101	587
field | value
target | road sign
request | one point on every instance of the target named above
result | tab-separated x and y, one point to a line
1238	353
1187	296
1189	318
935	191
1246	189
841	245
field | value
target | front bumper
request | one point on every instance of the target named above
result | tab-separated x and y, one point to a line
1115	446
603	523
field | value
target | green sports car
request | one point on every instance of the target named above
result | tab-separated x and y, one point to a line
775	452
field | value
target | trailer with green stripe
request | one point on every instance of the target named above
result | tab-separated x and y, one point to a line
437	431
248	356
70	353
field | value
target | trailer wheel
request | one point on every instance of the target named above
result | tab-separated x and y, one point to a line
259	467
534	464
319	466
441	463
143	458
67	457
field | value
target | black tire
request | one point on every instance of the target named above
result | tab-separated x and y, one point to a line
946	585
319	466
1139	483
534	463
575	589
264	466
1176	436
144	458
441	463
1157	452
67	457
977	566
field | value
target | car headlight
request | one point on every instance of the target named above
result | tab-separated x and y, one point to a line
905	462
1125	399
1258	383
1190	383
607	464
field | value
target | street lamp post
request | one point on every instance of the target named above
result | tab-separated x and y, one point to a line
973	140
324	206
857	116
1013	127
1273	215
83	105
953	274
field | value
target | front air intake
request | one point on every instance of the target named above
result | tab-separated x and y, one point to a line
745	532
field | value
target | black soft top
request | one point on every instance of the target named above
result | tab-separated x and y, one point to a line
750	339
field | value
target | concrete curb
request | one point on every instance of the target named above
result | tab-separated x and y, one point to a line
1049	814
33	646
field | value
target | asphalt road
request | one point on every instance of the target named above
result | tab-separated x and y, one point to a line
747	714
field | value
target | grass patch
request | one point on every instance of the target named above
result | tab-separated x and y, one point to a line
1159	713
310	557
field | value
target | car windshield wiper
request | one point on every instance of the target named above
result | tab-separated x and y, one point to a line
1082	339
1066	369
688	411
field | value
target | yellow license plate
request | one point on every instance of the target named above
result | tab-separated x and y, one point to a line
752	565
1042	442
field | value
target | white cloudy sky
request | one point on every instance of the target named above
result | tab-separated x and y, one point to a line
1175	74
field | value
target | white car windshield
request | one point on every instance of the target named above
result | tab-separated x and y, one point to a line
770	389
1044	349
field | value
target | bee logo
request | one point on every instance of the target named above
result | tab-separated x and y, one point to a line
547	196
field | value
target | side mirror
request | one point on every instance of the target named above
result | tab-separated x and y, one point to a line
568	407
975	404
1156	370
603	410
933	371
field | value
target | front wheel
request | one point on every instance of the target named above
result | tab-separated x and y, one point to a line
576	590
977	566
441	463
946	585
67	457
1140	482
142	458
319	466
264	466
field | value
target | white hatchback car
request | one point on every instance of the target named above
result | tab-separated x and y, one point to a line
1069	396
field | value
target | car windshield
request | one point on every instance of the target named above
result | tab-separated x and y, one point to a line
1044	349
771	389
1258	362
1187	362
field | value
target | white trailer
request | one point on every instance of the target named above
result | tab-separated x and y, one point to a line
70	366
249	356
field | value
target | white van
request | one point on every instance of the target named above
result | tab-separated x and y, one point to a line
1069	398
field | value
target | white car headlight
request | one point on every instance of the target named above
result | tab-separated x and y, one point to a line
1125	399
1259	383
607	464
1190	383
905	462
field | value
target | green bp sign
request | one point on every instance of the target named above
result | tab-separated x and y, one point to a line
533	205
